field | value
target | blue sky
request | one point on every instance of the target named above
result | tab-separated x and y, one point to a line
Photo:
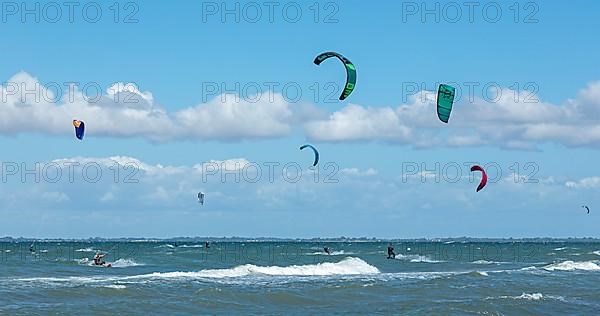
157	114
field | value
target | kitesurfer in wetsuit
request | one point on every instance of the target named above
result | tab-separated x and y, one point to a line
326	249
98	259
206	244
391	253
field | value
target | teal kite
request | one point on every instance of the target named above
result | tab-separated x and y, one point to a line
316	152
350	71
445	99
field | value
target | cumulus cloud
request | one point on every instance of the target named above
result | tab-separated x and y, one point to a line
125	111
511	120
55	196
158	170
358	172
167	200
359	123
516	120
224	165
585	183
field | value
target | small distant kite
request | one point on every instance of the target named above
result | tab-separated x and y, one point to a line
483	177
445	99
79	129
314	150
350	71
587	208
201	198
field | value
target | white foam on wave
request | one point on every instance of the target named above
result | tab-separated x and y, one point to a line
530	297
165	246
120	263
530	268
597	253
416	258
572	266
86	250
429	275
333	253
482	262
524	296
348	266
124	263
115	286
559	249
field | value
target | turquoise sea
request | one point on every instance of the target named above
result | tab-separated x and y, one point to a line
297	278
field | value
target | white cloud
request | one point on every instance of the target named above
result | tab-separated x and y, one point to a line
358	123
236	120
125	111
129	91
585	183
55	196
513	120
358	172
161	198
158	170
108	196
225	165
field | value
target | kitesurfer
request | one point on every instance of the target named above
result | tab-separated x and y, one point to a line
326	249
391	253
98	260
206	244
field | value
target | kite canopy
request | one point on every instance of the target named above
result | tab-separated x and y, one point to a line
445	99
201	198
483	177
314	150
587	208
350	71
79	129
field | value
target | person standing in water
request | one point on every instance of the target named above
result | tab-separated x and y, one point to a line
326	249
391	253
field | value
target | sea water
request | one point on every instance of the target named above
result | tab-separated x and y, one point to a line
298	277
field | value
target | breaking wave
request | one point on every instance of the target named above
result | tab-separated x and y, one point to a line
333	253
416	258
572	266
